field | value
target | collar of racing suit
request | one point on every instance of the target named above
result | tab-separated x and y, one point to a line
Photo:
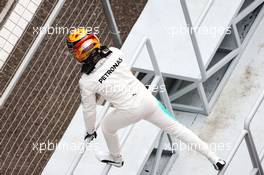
96	55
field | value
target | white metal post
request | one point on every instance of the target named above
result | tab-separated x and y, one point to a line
194	39
112	23
246	134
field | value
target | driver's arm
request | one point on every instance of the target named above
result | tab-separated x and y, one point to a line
88	99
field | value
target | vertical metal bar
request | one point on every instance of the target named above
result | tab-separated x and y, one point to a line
171	143
254	156
169	164
238	41
233	151
193	38
249	139
112	23
158	154
152	57
76	161
137	52
157	73
253	153
164	93
204	13
203	97
165	100
106	170
147	78
253	111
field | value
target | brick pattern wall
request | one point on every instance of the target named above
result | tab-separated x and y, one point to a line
17	35
2	4
15	25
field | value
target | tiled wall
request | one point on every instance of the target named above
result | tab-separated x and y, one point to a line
14	26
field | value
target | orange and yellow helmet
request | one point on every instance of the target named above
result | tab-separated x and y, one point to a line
81	43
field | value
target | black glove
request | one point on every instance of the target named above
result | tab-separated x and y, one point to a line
89	137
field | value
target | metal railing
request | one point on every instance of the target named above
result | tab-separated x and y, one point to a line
112	23
158	80
30	53
5	11
204	13
193	37
247	135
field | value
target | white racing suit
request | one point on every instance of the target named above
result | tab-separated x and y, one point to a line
114	81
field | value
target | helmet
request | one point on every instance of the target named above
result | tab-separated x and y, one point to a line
81	43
